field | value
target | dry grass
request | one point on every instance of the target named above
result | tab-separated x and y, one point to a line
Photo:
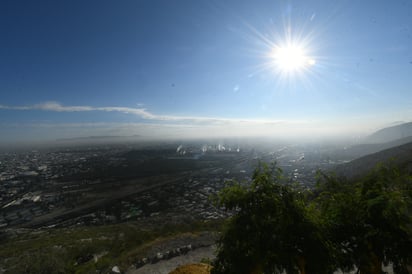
193	269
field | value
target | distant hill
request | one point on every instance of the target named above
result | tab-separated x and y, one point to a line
383	139
91	139
400	155
391	133
96	137
360	150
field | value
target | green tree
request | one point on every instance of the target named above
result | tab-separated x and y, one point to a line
369	219
272	229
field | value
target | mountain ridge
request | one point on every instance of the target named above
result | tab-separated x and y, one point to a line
400	156
391	133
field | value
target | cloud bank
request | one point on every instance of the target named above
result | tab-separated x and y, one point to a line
155	126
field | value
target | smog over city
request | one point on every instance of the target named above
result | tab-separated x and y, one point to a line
129	131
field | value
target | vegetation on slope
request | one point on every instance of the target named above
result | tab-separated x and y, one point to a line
278	227
86	249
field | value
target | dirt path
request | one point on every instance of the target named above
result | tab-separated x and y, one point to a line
194	256
166	266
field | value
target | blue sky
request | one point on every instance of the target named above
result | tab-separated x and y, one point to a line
185	68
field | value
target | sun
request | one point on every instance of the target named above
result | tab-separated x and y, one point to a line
289	55
291	58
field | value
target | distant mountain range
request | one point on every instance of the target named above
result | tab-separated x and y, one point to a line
380	140
400	156
391	133
360	150
385	145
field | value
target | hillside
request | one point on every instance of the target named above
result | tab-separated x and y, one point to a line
130	246
360	150
391	133
383	139
192	268
400	155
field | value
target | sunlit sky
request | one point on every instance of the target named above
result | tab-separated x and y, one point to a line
183	68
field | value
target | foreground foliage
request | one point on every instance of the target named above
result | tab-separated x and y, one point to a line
278	228
369	220
272	231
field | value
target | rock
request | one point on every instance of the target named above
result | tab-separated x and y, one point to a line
116	269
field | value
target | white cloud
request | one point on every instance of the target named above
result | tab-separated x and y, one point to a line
159	126
140	112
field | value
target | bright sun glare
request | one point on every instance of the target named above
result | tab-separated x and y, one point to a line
291	58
